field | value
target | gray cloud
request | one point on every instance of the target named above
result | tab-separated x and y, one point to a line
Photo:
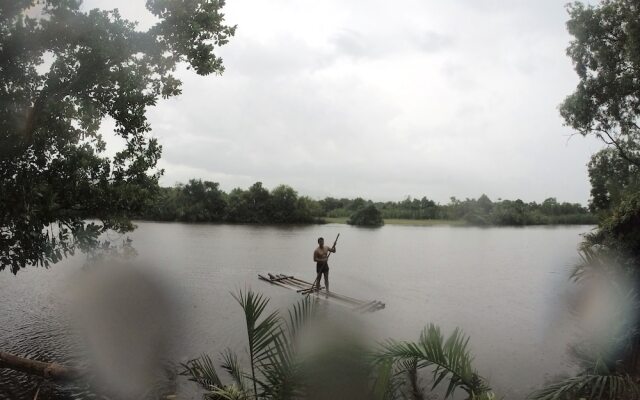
388	44
431	42
382	99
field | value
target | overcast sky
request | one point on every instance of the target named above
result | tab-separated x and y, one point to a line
381	99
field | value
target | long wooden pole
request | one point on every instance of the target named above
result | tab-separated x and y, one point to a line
53	371
302	287
305	288
272	281
308	288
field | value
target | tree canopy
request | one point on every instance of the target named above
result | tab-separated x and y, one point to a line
366	216
605	51
606	103
62	72
203	201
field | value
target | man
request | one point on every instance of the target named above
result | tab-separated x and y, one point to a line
321	256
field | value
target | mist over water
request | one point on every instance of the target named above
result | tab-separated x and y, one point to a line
505	287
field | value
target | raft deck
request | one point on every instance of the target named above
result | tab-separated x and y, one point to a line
305	288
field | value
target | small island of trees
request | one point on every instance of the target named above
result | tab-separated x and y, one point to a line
368	215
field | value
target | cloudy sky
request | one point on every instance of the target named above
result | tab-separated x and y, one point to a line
381	99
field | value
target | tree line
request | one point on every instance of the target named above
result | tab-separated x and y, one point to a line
204	201
480	211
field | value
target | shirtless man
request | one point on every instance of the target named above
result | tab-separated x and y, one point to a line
320	256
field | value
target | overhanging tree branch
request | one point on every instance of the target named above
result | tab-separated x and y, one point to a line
620	149
53	371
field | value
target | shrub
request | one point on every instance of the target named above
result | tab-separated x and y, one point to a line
366	216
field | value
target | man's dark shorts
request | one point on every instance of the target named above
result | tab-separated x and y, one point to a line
322	268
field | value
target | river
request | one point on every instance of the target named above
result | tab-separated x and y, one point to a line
505	287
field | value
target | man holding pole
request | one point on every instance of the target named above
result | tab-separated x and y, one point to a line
321	257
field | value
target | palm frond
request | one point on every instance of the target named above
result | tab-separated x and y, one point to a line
227	393
299	315
279	367
232	366
590	387
410	368
280	371
597	261
591	262
387	383
202	371
260	335
382	381
449	358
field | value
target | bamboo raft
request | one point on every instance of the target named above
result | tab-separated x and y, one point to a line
306	288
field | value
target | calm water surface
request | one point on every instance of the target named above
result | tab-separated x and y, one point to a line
505	287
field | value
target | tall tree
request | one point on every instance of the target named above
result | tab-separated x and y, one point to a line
62	72
605	51
606	103
257	199
204	201
283	204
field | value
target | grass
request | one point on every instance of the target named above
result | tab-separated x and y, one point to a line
394	221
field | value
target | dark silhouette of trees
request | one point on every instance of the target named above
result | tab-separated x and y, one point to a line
203	201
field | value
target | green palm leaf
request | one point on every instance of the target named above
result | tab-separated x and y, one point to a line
410	368
387	384
590	387
227	393
280	372
299	315
450	359
261	336
232	366
280	368
202	371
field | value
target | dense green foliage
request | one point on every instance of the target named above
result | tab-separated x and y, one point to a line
368	215
606	103
612	179
481	211
62	72
274	371
606	55
448	359
204	201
